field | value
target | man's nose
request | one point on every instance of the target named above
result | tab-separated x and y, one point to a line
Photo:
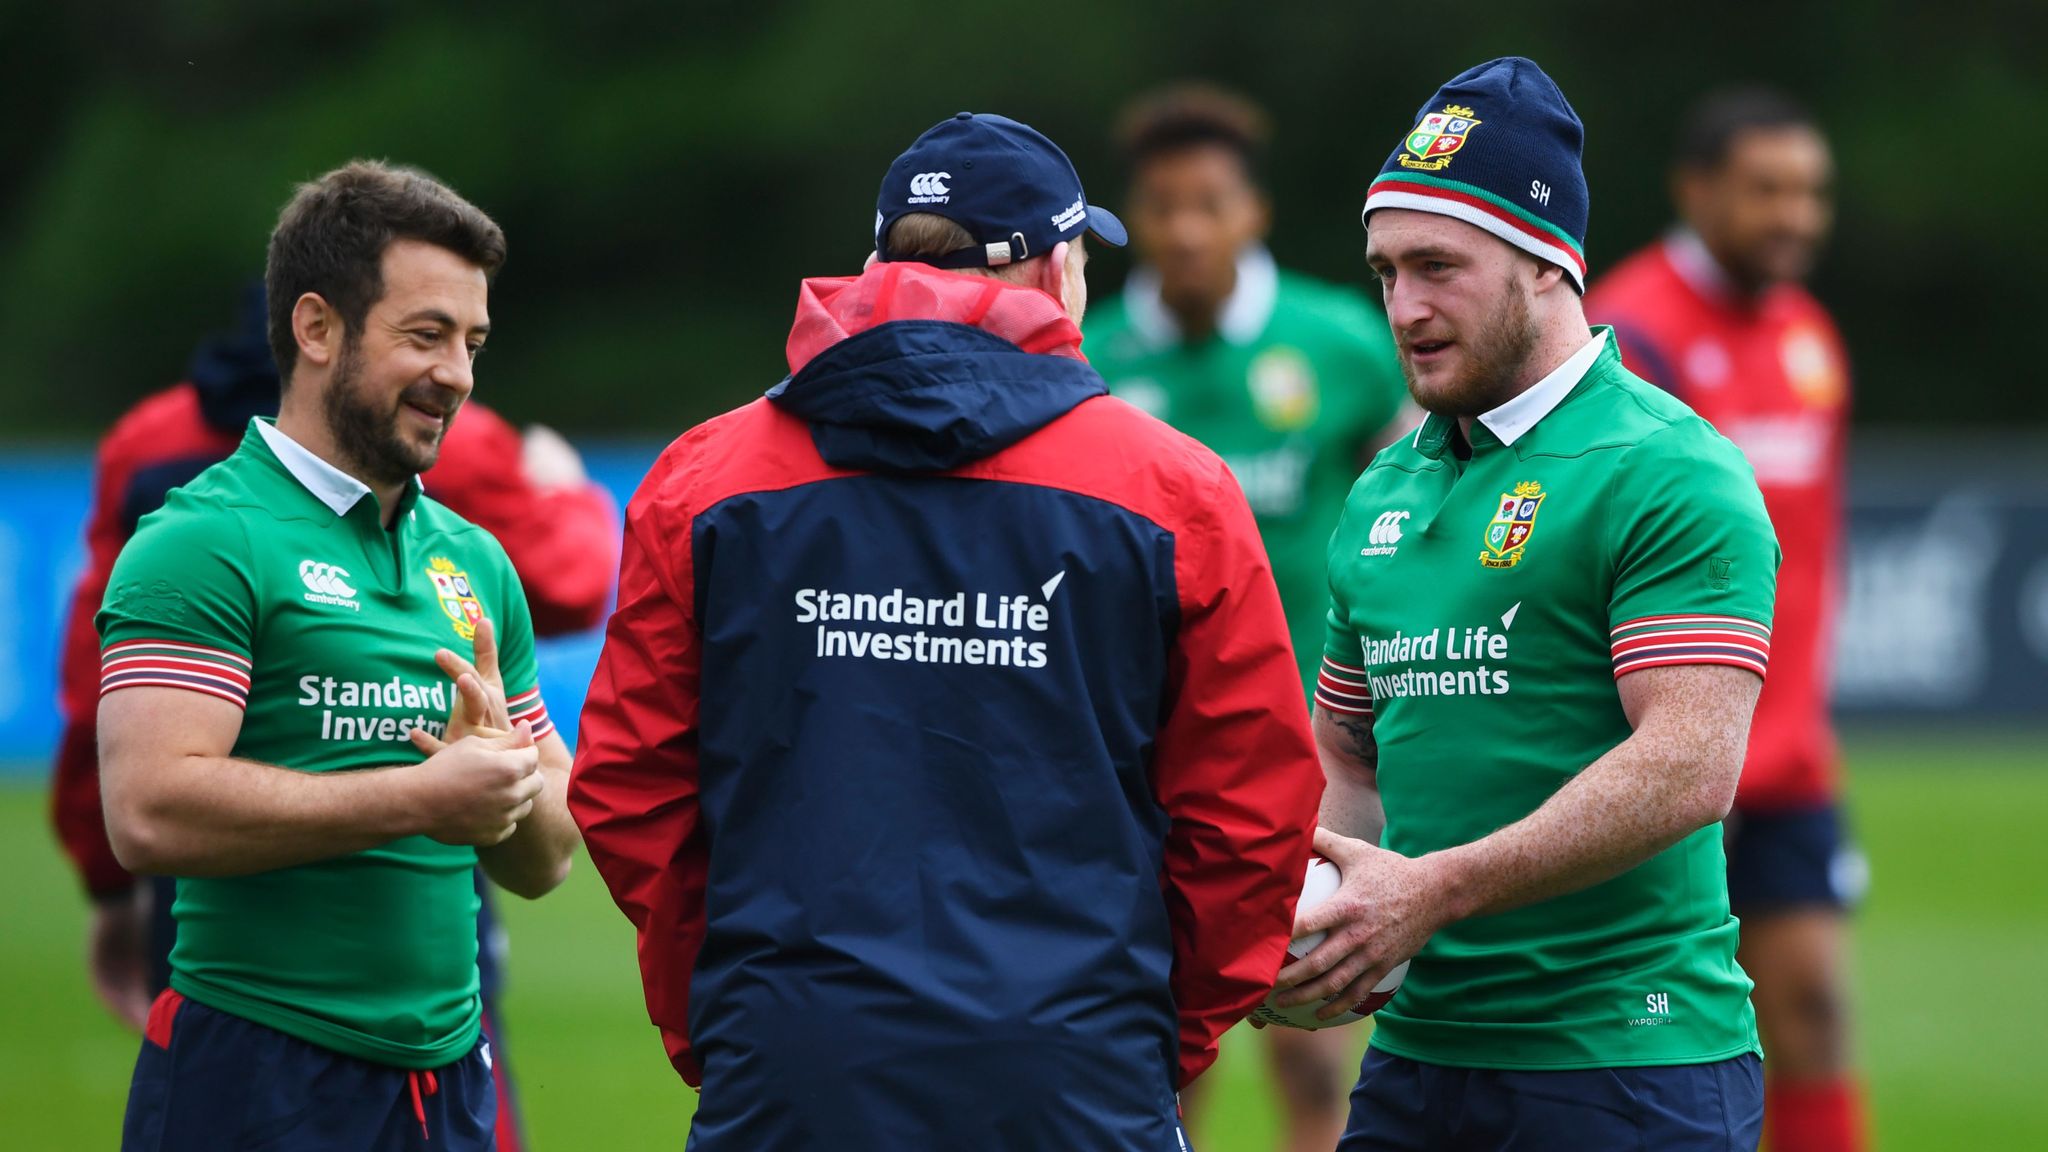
456	370
1407	304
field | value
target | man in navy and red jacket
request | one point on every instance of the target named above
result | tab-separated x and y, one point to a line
528	490
946	750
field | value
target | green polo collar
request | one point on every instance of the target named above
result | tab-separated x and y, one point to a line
1520	416
336	489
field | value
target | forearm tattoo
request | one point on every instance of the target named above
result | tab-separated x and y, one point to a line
1358	739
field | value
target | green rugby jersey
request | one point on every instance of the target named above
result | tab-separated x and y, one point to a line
269	582
1289	391
1481	612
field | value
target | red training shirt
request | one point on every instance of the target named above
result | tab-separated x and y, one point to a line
1770	373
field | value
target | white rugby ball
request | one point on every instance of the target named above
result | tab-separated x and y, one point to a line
1319	884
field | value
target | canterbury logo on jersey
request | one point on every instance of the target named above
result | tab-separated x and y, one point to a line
929	188
329	578
327	584
1385	534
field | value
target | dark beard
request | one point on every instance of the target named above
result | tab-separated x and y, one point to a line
367	437
1495	354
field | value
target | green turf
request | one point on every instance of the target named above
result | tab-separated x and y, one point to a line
1948	949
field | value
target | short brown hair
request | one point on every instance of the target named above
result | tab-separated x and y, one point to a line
1716	119
330	239
1190	115
924	236
927	236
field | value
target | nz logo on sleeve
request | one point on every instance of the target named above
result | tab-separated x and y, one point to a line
327	584
457	598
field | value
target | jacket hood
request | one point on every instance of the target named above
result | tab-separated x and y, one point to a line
233	371
906	368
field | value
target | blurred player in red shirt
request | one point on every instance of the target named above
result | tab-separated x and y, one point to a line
1716	313
527	489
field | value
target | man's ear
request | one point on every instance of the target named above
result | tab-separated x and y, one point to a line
316	327
1548	277
1052	279
1691	187
1265	214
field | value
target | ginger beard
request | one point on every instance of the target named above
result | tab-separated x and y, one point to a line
366	429
1481	368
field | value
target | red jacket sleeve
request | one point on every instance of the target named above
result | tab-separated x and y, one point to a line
633	789
1236	769
563	542
75	779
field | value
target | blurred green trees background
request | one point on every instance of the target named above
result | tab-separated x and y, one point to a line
667	172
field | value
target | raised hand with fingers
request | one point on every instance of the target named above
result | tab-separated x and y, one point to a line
476	789
479	688
1387	908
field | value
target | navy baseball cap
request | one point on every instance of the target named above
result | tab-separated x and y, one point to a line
1012	189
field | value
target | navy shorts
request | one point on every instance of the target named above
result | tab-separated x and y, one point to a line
491	949
1792	858
1402	1105
207	1081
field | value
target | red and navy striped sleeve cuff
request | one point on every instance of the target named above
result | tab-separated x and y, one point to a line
1657	641
175	664
528	706
1342	688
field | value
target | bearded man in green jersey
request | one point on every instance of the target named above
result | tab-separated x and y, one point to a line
1549	623
319	711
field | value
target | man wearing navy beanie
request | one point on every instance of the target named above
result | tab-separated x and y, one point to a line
1550	619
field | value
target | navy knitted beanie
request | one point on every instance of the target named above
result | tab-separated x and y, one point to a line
1497	147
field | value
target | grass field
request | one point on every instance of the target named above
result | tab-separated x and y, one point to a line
1950	952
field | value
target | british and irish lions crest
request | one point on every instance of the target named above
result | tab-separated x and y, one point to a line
1514	521
457	598
1437	137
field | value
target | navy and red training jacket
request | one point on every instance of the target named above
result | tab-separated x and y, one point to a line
947	750
562	540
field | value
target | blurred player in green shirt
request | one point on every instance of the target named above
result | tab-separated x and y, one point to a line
1290	380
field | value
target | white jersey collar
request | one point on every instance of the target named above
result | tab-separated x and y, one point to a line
1241	320
1697	267
1512	420
330	485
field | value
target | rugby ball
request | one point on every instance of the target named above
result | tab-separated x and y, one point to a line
1319	884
